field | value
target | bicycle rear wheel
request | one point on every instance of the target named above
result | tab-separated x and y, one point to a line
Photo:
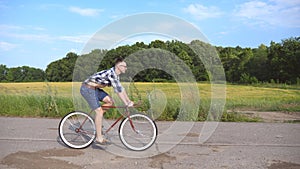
77	130
138	132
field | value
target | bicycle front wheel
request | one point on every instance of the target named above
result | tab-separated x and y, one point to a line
138	132
77	130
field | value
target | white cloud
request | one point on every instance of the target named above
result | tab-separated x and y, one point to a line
5	27
223	33
254	9
22	33
285	13
5	46
30	37
201	12
10	28
85	11
76	39
48	6
38	28
286	2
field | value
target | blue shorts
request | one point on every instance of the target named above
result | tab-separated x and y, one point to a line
93	96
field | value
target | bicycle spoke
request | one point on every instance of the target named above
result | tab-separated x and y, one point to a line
71	124
138	133
74	133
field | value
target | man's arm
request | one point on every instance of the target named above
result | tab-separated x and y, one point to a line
120	91
124	97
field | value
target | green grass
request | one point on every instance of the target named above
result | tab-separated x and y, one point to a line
262	98
34	106
56	99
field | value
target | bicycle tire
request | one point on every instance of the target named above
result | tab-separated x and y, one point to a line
140	138
72	135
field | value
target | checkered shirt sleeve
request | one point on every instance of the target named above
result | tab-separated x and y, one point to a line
107	78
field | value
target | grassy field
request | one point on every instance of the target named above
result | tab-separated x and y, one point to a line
43	99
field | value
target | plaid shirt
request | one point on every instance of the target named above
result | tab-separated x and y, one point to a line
107	78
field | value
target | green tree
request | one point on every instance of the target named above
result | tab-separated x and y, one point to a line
284	60
3	73
230	62
257	65
291	59
62	70
234	61
279	61
158	44
25	74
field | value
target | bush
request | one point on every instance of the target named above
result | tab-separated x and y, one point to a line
247	79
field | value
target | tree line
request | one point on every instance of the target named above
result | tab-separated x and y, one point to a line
21	74
278	62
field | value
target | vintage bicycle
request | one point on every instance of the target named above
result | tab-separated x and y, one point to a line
137	131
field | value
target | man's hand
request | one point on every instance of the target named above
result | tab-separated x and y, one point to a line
130	104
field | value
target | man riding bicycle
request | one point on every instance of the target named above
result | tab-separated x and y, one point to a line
91	90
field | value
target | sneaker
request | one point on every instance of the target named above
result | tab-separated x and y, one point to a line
103	142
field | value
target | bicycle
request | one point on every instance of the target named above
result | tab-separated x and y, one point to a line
137	132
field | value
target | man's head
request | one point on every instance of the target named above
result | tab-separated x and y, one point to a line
120	65
118	60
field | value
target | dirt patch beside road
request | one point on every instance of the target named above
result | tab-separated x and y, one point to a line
284	165
41	159
158	160
273	116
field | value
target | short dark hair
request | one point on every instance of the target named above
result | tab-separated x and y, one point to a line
118	60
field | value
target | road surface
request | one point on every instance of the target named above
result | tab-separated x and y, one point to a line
33	143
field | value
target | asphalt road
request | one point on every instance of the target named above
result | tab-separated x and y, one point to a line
32	143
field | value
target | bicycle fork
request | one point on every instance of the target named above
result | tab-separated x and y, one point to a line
130	121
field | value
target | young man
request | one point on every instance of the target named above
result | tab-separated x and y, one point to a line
93	93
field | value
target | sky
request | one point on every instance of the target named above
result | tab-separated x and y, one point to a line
36	33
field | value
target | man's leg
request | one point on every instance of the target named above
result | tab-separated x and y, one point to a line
108	101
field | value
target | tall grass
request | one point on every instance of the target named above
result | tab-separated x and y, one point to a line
34	106
46	104
55	100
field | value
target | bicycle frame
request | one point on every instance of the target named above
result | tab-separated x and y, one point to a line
121	117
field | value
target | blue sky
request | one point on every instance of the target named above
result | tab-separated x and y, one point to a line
35	33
